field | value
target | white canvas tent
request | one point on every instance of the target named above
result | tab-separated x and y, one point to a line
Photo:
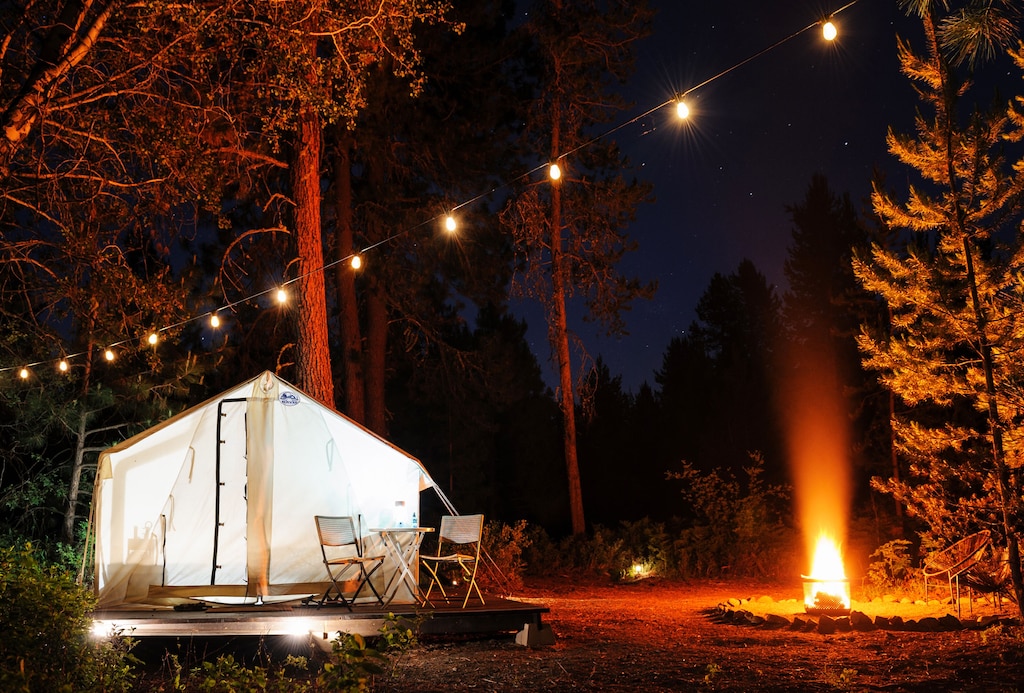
217	503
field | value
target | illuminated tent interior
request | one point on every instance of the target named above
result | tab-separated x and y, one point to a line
217	503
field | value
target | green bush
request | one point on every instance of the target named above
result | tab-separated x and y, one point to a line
645	550
503	565
613	552
47	642
891	570
354	665
739	526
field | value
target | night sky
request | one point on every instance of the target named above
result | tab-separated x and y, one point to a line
755	137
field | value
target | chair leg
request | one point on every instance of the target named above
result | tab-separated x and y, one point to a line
470	577
365	581
434	580
327	593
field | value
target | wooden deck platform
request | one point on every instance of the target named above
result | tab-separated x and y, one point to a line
295	618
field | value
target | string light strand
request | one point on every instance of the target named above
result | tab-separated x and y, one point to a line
446	219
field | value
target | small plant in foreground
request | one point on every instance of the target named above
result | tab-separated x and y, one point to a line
844	680
355	664
395	636
1013	635
711	671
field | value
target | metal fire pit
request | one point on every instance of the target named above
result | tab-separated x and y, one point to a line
824	602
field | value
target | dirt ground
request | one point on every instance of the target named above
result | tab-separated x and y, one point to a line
659	635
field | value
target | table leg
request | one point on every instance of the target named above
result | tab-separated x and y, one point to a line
402	556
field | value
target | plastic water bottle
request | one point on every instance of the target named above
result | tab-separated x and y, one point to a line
415	522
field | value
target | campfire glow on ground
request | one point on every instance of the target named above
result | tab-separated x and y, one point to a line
826	588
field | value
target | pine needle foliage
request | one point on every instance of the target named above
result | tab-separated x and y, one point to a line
955	292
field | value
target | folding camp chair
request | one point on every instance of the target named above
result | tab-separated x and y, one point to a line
340	533
462	534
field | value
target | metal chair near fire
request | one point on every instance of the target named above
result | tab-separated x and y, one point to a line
458	544
954	562
342	550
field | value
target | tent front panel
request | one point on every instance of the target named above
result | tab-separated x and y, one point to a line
245	528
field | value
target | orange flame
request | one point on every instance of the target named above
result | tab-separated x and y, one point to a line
827	587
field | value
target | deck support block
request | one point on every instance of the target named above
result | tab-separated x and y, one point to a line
535	635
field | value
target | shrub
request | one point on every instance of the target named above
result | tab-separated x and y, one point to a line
47	642
891	570
615	552
599	552
354	664
504	563
541	555
738	527
646	550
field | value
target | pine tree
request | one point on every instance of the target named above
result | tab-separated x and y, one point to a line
405	158
570	232
738	327
951	354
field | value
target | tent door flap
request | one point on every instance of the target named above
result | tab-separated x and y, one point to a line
229	525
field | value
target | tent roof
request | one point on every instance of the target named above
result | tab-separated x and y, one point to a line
264	382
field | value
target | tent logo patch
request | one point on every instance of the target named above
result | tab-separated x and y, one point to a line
288	399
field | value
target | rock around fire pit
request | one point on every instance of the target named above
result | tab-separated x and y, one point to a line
761	614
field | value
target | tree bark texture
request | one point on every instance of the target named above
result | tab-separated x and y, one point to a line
313	357
560	341
376	348
345	279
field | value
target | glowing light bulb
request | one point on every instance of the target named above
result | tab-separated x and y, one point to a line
829	31
23	374
357	262
108	354
555	172
449	224
214	320
282	296
152	339
682	110
63	366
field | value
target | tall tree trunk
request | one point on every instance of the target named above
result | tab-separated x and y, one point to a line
560	337
313	356
894	461
78	462
376	349
345	280
558	329
77	465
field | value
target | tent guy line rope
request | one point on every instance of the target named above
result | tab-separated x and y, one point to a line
65	357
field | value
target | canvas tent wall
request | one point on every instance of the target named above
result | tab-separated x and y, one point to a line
218	502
